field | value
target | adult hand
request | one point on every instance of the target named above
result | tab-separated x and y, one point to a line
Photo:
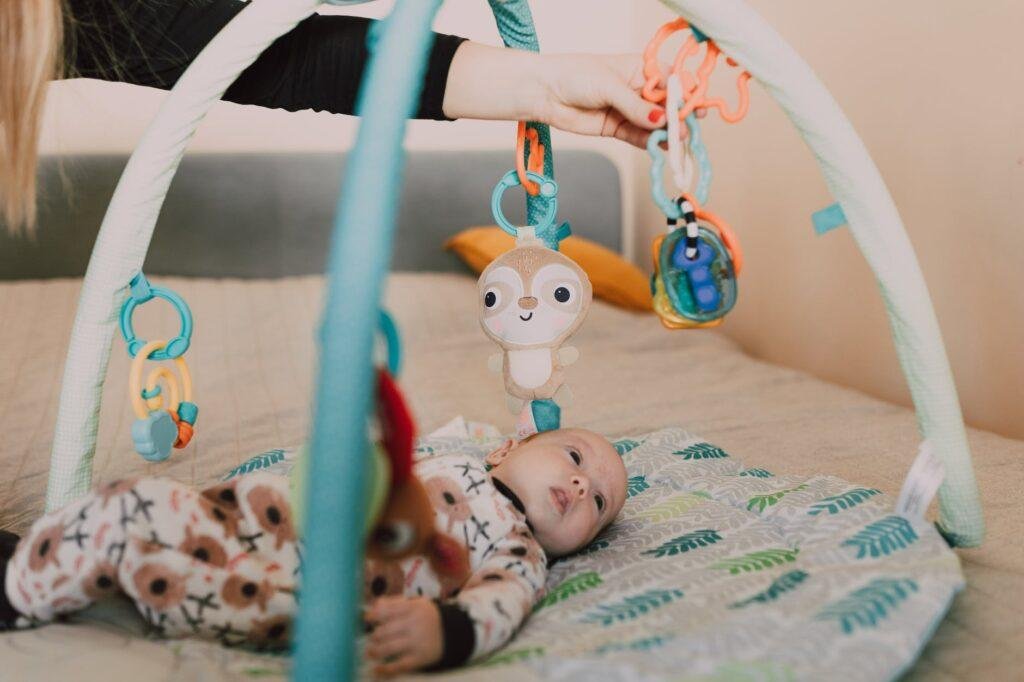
584	94
406	634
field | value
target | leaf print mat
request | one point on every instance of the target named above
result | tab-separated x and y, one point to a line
716	571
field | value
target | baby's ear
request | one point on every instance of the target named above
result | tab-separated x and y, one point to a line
496	457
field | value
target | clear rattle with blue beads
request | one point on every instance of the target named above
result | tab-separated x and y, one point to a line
697	260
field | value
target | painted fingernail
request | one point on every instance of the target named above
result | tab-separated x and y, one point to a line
655	115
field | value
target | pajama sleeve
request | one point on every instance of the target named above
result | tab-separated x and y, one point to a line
496	599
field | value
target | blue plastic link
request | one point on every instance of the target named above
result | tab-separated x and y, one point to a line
140	291
668	205
700	155
546	228
147	394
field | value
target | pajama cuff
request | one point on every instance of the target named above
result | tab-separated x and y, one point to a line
458	633
8	614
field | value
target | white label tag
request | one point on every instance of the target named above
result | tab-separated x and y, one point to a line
923	481
526	235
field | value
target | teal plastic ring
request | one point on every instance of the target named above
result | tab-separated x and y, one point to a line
657	171
177	346
389	330
548	190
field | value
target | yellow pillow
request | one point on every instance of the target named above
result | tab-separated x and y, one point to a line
614	279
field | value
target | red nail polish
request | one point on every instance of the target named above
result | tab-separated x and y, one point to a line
655	115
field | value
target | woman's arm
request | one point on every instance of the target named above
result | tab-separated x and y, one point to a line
318	65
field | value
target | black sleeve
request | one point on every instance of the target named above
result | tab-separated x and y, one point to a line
458	633
318	65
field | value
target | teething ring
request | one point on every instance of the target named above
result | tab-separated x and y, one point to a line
548	190
141	292
145	403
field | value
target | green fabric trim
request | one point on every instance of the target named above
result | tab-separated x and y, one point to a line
378	483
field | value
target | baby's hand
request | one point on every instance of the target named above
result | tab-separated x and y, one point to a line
406	634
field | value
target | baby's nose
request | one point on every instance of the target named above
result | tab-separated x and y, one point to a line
528	302
582	484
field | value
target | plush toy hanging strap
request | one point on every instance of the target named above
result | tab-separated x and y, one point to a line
515	24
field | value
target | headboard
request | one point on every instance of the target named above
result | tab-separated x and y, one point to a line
270	215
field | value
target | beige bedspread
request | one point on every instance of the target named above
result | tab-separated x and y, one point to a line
252	357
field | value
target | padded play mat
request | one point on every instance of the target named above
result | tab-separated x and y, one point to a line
715	571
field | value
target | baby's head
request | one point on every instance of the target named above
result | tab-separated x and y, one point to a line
572	484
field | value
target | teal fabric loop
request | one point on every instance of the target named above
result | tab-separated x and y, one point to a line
547	415
545	228
140	292
515	25
828	218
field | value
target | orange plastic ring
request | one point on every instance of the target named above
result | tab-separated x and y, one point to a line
536	158
652	72
729	237
694	86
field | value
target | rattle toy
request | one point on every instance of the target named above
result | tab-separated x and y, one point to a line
696	263
159	425
532	299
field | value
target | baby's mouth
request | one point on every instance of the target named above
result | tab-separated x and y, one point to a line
527	318
560	498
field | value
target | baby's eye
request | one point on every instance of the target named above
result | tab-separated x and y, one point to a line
575	457
600	502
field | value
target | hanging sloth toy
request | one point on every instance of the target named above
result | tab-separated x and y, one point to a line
532	299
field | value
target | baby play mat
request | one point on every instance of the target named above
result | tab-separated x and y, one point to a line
716	571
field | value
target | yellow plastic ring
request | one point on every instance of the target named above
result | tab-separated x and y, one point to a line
179	390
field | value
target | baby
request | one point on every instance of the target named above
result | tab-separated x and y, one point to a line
224	563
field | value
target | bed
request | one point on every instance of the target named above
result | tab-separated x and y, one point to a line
253	357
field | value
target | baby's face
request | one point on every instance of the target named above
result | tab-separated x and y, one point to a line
571	482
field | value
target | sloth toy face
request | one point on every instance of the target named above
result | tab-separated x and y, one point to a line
531	297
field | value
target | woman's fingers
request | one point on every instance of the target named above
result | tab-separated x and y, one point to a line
632	106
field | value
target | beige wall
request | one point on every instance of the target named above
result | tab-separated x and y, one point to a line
936	90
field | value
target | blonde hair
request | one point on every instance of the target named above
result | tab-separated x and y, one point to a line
31	36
